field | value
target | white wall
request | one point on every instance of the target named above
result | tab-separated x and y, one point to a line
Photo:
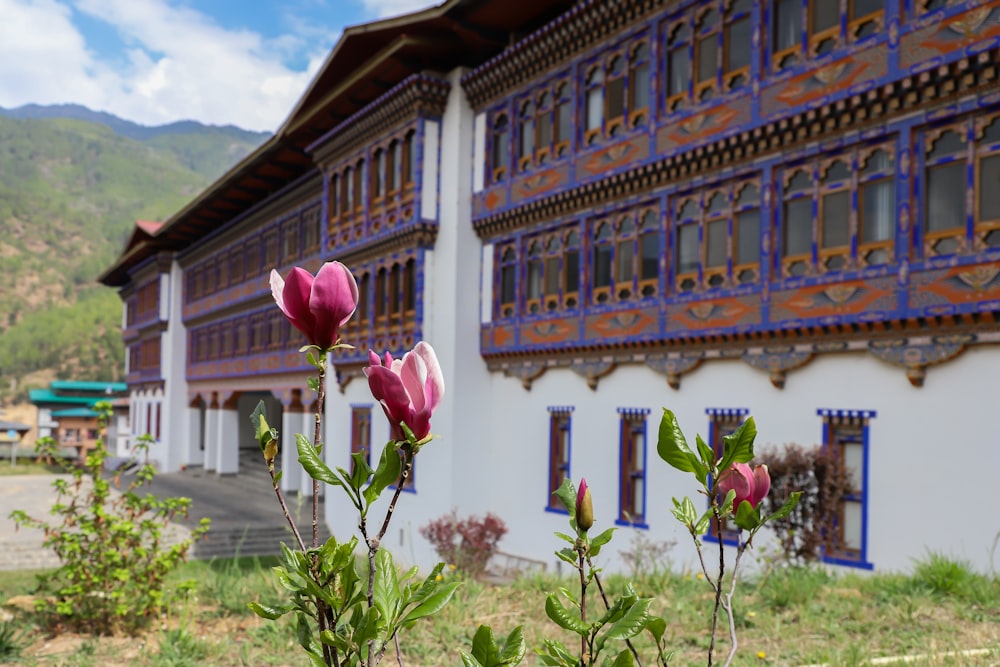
924	444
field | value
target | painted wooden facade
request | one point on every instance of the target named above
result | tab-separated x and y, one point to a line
784	208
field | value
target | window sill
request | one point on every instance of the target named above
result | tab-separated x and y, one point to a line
848	562
632	524
557	510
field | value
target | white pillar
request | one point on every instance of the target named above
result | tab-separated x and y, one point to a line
212	434
291	470
227	451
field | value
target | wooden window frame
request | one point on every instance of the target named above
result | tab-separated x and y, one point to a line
824	254
887	246
560	451
632	467
730	18
842	427
674	101
408	178
698	37
983	150
505	309
376	188
634	287
723	422
846	30
499	154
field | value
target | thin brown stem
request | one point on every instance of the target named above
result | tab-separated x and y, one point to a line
284	507
718	584
399	653
317	431
407	466
581	549
604	597
727	604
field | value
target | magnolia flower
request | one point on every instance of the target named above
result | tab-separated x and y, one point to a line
318	306
584	507
750	484
409	389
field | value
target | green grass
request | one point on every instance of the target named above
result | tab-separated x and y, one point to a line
27	466
799	616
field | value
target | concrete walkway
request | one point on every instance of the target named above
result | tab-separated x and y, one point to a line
246	517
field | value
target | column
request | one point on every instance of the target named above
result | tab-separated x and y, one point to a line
291	423
227	451
212	432
195	432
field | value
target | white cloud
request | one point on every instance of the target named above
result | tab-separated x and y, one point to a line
386	8
180	64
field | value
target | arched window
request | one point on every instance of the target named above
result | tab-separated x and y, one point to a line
500	147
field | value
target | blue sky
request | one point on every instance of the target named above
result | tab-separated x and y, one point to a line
240	62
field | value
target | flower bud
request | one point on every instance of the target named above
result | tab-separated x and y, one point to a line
584	507
749	484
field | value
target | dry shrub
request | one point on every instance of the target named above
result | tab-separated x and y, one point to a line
465	543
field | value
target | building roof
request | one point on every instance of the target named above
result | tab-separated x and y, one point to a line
6	426
38	396
102	387
367	61
74	412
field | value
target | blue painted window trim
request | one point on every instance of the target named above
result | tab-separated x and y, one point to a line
555	413
859	418
729	537
632	421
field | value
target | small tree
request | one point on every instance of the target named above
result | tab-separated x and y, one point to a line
465	543
114	558
823	480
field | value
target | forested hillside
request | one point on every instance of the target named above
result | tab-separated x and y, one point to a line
70	192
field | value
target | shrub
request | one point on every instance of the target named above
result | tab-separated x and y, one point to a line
823	480
466	543
114	560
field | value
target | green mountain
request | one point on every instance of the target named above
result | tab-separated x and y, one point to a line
70	192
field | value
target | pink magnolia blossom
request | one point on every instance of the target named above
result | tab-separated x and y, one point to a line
409	389
318	306
750	484
584	506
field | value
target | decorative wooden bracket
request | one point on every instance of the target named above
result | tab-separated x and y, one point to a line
675	365
777	361
527	372
592	370
916	356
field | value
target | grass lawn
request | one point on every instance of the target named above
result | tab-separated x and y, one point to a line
799	616
26	465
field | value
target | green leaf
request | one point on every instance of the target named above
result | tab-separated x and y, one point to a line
569	555
468	660
362	471
623	659
270	613
434	602
673	448
259	420
566	493
737	447
786	508
557	655
747	517
484	646
565	538
656	626
312	463
600	540
705	452
514	648
563	617
390	466
386	590
632	623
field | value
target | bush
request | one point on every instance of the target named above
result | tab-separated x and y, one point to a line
823	480
114	561
466	543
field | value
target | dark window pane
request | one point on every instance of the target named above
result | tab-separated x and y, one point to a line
949	143
552	275
679	74
640	87
787	24
861	8
650	252
989	188
624	261
835	216
748	237
507	284
738	38
716	233
798	227
534	279
545	129
945	200
825	15
571	268
616	97
687	249
595	108
602	266
527	138
707	58
876	163
564	111
877	206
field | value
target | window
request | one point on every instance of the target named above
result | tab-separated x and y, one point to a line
500	147
544	126
360	187
838	212
722	422
290	239
801	30
717	236
409	161
395	166
708	49
361	432
378	176
617	92
632	467
310	231
846	433
559	449
552	280
506	281
949	226
626	256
